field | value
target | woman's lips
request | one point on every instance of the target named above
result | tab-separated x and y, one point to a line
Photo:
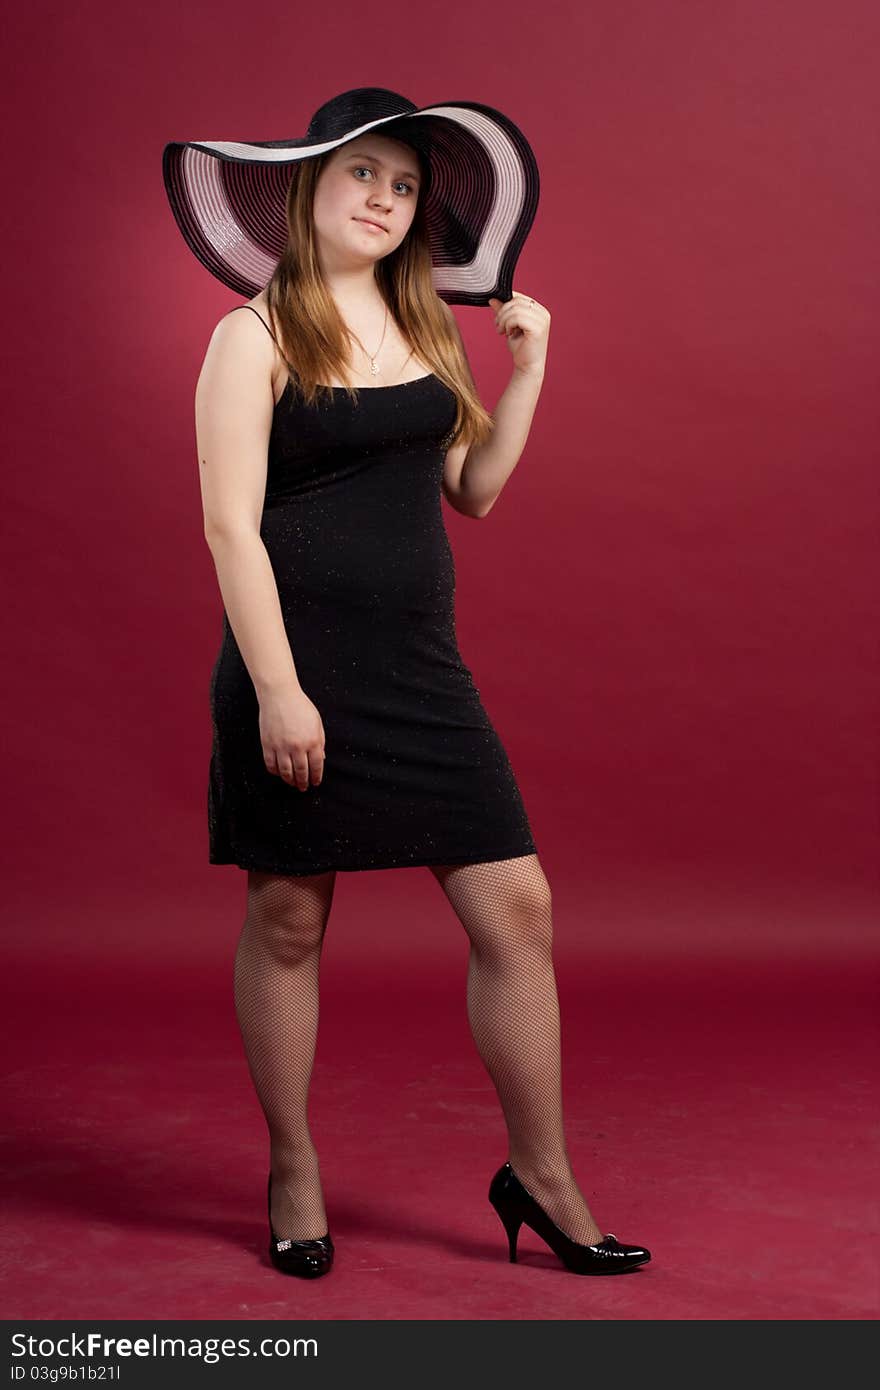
372	226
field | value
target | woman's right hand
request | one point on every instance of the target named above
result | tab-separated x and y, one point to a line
292	735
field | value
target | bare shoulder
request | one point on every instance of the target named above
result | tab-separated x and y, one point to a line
239	325
260	305
239	349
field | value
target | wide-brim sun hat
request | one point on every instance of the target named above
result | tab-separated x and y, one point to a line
229	196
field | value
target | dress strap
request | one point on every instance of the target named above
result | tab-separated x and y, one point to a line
262	321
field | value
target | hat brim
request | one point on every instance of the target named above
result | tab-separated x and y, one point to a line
229	197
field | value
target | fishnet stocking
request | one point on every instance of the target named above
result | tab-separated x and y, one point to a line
513	1011
276	1002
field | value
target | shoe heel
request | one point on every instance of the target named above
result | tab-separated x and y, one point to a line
511	1222
515	1205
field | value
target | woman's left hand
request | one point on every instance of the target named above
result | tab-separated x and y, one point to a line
526	325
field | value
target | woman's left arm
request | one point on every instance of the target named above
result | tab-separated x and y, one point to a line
526	325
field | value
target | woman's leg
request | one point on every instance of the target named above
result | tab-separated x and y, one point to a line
513	1010
276	1001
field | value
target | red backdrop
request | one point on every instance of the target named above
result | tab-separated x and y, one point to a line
671	613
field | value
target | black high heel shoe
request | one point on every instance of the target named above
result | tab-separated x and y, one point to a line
515	1205
307	1258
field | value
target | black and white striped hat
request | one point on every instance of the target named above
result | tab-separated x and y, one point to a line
229	196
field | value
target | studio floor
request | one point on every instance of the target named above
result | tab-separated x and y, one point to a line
719	1110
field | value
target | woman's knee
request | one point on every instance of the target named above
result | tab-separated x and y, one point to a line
290	912
503	905
528	909
525	894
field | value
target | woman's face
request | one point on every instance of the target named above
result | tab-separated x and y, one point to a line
371	178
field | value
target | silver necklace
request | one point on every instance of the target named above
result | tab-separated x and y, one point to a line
372	358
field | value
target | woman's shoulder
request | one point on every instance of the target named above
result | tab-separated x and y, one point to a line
242	335
258	306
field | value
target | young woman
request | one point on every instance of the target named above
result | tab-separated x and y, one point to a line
331	417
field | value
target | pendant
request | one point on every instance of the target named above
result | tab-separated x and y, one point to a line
374	366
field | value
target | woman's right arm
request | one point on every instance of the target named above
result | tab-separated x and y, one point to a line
233	406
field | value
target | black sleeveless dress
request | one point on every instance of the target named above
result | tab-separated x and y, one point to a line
414	772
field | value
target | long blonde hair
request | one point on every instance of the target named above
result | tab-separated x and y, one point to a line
310	330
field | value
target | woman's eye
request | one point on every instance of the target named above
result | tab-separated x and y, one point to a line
401	184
